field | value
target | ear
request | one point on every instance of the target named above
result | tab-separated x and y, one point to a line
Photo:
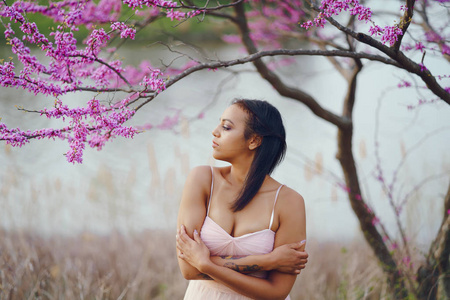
254	142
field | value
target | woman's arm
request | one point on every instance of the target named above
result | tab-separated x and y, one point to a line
277	285
192	211
288	258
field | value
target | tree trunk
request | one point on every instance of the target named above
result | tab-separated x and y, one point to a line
434	275
366	217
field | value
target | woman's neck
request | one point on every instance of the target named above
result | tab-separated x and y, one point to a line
238	174
239	170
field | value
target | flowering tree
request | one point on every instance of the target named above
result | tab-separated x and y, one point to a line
347	32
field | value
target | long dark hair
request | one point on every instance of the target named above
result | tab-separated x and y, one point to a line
265	121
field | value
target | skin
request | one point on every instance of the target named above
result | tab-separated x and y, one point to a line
288	257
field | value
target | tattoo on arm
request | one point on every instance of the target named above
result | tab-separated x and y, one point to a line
242	268
231	257
204	277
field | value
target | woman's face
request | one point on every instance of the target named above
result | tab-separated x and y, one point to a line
229	142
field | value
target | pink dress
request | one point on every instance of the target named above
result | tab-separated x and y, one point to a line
220	243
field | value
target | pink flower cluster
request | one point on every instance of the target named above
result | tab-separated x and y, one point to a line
154	82
390	34
94	124
330	8
70	69
172	9
403	84
125	31
180	15
271	22
142	3
73	13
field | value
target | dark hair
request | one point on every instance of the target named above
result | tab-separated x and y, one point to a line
265	121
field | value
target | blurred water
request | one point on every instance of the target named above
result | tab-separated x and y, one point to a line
136	184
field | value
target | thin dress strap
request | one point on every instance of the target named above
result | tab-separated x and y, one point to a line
273	209
210	193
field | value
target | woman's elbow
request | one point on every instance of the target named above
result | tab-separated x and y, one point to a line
192	274
276	293
187	274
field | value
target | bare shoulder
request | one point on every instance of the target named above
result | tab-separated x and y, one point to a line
291	208
199	176
291	200
200	173
291	216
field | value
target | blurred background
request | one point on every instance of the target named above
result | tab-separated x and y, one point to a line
105	229
135	184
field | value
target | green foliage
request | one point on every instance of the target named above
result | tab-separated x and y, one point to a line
163	29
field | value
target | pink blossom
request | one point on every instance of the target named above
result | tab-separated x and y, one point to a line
422	67
420	46
154	82
8	31
445	49
96	41
231	38
170	122
390	34
432	36
125	31
330	8
404	83
375	221
406	47
375	30
344	187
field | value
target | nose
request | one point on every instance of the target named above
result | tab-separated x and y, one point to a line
215	132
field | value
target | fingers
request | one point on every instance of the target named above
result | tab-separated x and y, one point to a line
298	246
181	238
182	233
304	255
197	237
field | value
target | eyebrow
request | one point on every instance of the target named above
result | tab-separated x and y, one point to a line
226	120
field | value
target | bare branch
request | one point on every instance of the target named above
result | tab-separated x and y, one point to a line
404	22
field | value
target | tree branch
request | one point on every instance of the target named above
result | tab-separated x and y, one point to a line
404	22
398	56
276	82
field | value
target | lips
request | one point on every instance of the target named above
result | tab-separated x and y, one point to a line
214	144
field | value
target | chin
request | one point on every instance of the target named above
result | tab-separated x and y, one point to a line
219	157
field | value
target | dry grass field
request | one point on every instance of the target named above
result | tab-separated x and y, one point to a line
144	266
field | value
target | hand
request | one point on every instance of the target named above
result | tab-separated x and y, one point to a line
290	258
193	251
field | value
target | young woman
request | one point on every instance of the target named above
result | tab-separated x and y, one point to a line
241	234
